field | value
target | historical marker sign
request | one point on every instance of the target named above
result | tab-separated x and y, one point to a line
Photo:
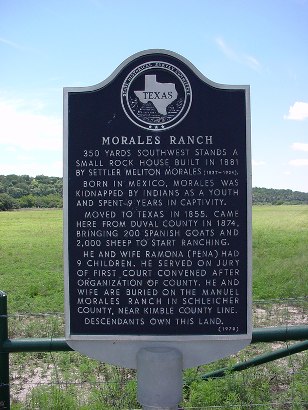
157	212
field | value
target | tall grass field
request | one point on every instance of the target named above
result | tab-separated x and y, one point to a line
31	256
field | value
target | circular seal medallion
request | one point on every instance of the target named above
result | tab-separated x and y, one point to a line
156	95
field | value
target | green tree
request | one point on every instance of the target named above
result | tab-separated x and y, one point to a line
6	202
27	201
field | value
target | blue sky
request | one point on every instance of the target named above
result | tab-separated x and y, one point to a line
51	44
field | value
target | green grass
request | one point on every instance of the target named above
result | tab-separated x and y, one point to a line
31	260
31	257
280	251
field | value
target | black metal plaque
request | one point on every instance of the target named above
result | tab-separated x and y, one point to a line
157	203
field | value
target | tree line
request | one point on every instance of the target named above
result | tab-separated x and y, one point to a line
23	191
278	196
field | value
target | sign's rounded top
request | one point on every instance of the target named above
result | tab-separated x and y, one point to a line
155	55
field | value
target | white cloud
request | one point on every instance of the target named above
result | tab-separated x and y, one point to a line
11	43
299	146
24	126
251	61
18	46
299	162
33	168
228	51
256	163
10	148
242	58
298	111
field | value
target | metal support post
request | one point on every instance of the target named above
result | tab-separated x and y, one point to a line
4	356
159	378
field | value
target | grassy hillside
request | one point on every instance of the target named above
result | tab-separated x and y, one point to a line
31	258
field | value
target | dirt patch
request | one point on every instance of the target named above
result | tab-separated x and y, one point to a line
22	384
